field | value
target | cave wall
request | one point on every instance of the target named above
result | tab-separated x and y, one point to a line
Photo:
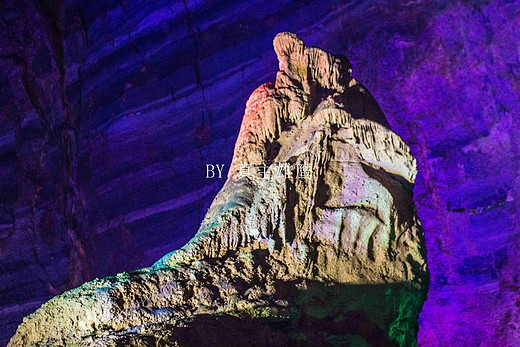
109	112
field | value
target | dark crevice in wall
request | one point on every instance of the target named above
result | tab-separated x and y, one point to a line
35	174
196	64
32	95
72	209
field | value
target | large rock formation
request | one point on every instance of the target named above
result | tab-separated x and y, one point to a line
96	178
313	239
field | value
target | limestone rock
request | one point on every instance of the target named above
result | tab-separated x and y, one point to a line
313	239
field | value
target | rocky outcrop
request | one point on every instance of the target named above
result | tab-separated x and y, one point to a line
313	239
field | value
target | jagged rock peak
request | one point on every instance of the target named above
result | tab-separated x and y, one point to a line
315	231
314	88
311	64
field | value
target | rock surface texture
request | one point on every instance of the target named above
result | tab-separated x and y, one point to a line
313	239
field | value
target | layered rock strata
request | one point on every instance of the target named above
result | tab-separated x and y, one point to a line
314	238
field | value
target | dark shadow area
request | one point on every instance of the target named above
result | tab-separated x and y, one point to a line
272	152
358	101
400	189
321	315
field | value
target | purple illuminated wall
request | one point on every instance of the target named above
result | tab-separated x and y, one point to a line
109	111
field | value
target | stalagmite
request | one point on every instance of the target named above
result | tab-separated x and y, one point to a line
317	242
